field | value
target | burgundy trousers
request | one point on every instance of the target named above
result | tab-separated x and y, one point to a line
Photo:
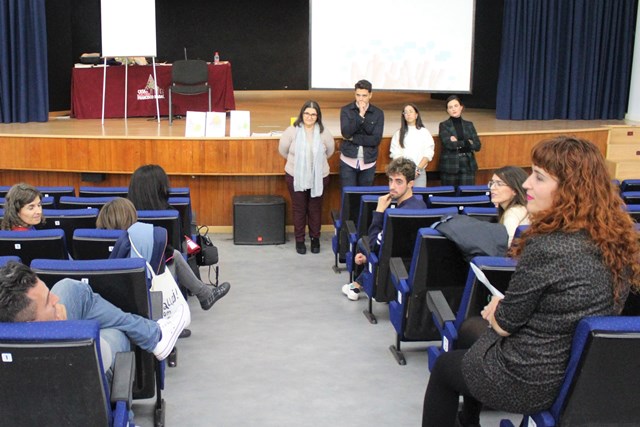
306	210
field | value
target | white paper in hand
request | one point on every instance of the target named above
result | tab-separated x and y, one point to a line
482	278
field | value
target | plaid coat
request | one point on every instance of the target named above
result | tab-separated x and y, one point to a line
449	158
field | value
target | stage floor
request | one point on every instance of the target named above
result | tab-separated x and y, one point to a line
272	110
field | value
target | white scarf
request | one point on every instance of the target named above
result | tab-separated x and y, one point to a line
307	172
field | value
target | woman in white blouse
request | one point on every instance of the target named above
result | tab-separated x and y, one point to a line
414	142
510	198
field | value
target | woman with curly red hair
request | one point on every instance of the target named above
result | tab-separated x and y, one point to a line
580	257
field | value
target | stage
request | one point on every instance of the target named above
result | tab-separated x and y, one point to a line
58	151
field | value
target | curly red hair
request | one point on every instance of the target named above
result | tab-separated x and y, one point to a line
587	200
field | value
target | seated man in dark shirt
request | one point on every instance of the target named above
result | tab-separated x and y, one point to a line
401	173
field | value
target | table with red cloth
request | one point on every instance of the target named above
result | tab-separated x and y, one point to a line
86	92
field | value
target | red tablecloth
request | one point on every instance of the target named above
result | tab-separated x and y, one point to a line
86	92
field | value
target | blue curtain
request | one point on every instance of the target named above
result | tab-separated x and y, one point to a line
566	59
24	88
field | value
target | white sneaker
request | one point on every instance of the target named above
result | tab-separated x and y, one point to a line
351	291
170	328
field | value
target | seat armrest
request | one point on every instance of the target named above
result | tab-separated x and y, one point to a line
363	246
439	307
399	274
335	217
352	231
155	299
123	376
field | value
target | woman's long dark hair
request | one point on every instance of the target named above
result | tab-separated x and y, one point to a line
149	188
404	127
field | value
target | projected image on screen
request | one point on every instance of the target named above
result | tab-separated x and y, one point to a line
422	45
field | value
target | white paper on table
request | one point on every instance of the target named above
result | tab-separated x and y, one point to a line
195	124
240	123
483	279
216	124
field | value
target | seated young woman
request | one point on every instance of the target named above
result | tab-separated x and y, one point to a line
151	242
22	208
580	257
510	198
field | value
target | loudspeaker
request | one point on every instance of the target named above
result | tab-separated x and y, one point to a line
259	220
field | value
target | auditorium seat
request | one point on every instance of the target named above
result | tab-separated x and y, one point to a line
88	191
437	264
459	201
124	283
634	211
91	243
601	379
46	202
631	197
67	202
68	220
53	374
443	190
5	259
450	318
473	190
398	240
56	192
29	245
482	213
168	219
630	185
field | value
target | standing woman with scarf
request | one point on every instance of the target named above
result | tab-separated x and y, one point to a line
459	142
307	145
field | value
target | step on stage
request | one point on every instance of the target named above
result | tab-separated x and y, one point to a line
216	170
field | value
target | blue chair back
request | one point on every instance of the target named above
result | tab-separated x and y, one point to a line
473	190
459	202
443	190
52	374
122	282
68	220
91	243
631	197
47	202
67	202
56	192
168	219
28	245
89	191
5	259
630	185
482	213
634	211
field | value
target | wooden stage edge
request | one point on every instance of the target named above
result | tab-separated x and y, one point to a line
62	150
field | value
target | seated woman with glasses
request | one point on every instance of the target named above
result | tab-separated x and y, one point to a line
510	198
307	145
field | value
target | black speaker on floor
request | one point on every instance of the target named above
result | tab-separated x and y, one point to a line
259	220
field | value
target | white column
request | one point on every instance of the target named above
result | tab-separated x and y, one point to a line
633	109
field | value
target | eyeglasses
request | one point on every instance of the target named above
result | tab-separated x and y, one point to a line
310	114
496	183
406	113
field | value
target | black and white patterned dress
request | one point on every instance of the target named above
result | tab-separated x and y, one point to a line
560	278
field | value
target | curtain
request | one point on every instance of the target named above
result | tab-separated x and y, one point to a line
566	59
24	90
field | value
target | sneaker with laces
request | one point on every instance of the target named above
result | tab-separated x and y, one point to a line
170	328
217	292
351	291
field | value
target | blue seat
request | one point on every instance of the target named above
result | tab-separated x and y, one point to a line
601	379
91	243
474	297
56	192
4	189
459	202
631	197
168	219
634	211
368	205
67	202
5	259
89	191
442	190
122	282
179	192
398	240
473	190
437	264
630	185
183	206
52	374
29	245
484	214
68	220
46	202
349	210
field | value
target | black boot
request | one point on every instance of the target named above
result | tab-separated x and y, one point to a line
315	245
301	248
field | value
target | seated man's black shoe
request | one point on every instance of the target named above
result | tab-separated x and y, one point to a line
217	292
315	245
186	333
301	248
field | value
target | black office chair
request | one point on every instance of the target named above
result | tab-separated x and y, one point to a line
189	77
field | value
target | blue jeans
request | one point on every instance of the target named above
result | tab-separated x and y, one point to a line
351	177
84	304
